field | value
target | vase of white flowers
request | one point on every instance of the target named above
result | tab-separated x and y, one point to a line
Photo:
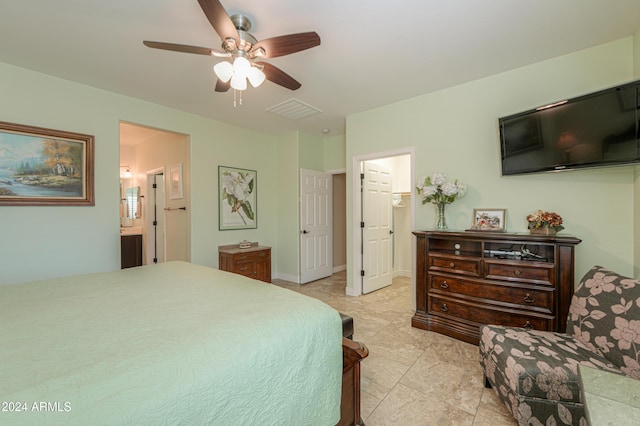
436	189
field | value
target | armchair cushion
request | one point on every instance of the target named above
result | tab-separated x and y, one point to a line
535	373
605	316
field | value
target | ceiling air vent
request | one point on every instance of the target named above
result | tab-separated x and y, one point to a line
293	109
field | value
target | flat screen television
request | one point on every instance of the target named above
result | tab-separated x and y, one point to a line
595	130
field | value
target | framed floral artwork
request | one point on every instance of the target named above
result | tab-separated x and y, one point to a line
237	192
491	220
45	167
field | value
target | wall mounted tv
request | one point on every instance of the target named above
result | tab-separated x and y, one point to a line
595	130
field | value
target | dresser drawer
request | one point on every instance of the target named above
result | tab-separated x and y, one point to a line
499	293
520	271
454	264
483	314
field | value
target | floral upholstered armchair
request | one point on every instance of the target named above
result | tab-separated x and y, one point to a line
535	373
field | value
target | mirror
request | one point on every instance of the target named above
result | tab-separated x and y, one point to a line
130	205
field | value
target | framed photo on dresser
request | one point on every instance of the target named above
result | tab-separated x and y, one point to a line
489	220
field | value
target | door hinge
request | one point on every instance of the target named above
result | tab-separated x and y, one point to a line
361	224
155	223
361	176
155	186
362	273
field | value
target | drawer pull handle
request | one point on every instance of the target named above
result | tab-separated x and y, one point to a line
528	298
452	265
516	272
444	285
242	257
527	325
244	268
444	307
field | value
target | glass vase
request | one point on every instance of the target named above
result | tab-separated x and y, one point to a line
441	222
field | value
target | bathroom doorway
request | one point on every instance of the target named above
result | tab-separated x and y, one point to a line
151	154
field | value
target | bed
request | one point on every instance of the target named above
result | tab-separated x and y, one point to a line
174	343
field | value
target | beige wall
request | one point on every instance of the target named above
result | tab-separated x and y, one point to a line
163	151
402	238
334	153
455	131
339	235
288	220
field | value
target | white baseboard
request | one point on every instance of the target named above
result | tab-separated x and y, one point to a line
286	277
353	292
339	268
402	273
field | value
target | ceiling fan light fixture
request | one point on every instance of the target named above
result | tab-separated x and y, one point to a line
223	70
241	66
238	82
256	77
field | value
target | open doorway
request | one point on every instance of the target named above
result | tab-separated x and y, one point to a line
400	164
150	154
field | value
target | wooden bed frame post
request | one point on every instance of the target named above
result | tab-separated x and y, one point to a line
352	354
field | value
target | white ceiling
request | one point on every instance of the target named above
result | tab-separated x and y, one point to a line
373	53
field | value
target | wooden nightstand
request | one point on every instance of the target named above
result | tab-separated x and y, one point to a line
253	262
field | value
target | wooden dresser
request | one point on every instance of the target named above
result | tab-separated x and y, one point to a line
253	262
465	279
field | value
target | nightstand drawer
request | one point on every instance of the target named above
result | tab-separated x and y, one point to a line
455	264
521	297
520	271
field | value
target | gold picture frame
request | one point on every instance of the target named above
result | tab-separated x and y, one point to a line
45	167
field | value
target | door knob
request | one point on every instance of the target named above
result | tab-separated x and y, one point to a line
304	231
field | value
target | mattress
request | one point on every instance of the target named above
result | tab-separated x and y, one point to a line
173	343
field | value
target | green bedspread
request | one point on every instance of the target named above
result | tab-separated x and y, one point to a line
173	343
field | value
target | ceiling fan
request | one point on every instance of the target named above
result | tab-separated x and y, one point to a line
244	50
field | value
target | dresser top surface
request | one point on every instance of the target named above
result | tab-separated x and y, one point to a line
486	235
234	249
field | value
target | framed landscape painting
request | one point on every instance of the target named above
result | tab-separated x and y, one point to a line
237	198
41	167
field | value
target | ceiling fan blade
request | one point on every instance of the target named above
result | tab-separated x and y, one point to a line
179	47
219	19
287	44
221	86
277	76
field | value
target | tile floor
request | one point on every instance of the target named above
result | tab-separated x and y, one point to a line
411	377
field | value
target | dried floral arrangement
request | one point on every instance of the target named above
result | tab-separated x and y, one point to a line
542	219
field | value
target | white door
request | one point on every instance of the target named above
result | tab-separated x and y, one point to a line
155	239
376	229
315	226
